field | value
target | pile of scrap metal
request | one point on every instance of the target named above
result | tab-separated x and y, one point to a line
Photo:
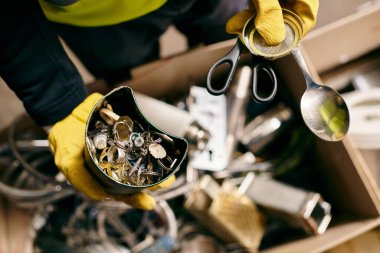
238	186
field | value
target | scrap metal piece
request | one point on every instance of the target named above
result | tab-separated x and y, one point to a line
264	129
100	140
135	166
106	168
108	116
299	207
91	146
228	214
211	112
157	151
137	140
116	155
103	155
100	125
165	167
122	130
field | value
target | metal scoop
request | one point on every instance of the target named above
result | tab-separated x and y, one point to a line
323	109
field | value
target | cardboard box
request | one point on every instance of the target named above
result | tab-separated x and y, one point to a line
3	228
346	38
341	77
16	234
352	188
368	243
342	49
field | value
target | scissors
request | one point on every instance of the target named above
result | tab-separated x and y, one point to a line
259	66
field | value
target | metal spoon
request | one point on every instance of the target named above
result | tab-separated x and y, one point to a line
323	109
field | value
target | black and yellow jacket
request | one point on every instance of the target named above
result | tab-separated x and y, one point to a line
92	13
33	62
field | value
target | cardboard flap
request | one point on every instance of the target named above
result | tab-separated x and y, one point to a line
344	40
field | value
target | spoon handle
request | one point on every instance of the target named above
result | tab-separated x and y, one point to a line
301	63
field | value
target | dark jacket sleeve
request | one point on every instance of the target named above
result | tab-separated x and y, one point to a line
34	64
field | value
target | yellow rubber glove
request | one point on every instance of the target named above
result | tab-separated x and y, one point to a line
269	21
67	140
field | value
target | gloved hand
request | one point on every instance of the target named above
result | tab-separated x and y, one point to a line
67	140
269	21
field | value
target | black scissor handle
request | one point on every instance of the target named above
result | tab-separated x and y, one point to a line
259	69
231	58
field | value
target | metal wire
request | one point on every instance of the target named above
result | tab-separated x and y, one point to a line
21	180
31	169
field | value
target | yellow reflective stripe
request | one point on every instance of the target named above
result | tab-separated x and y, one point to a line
90	13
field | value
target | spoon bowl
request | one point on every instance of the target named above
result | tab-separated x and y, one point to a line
325	112
323	109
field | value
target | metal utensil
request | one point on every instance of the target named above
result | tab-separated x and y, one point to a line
259	67
323	109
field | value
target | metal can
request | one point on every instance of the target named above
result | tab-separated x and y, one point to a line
257	45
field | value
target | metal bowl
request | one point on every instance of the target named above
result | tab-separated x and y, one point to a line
123	103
